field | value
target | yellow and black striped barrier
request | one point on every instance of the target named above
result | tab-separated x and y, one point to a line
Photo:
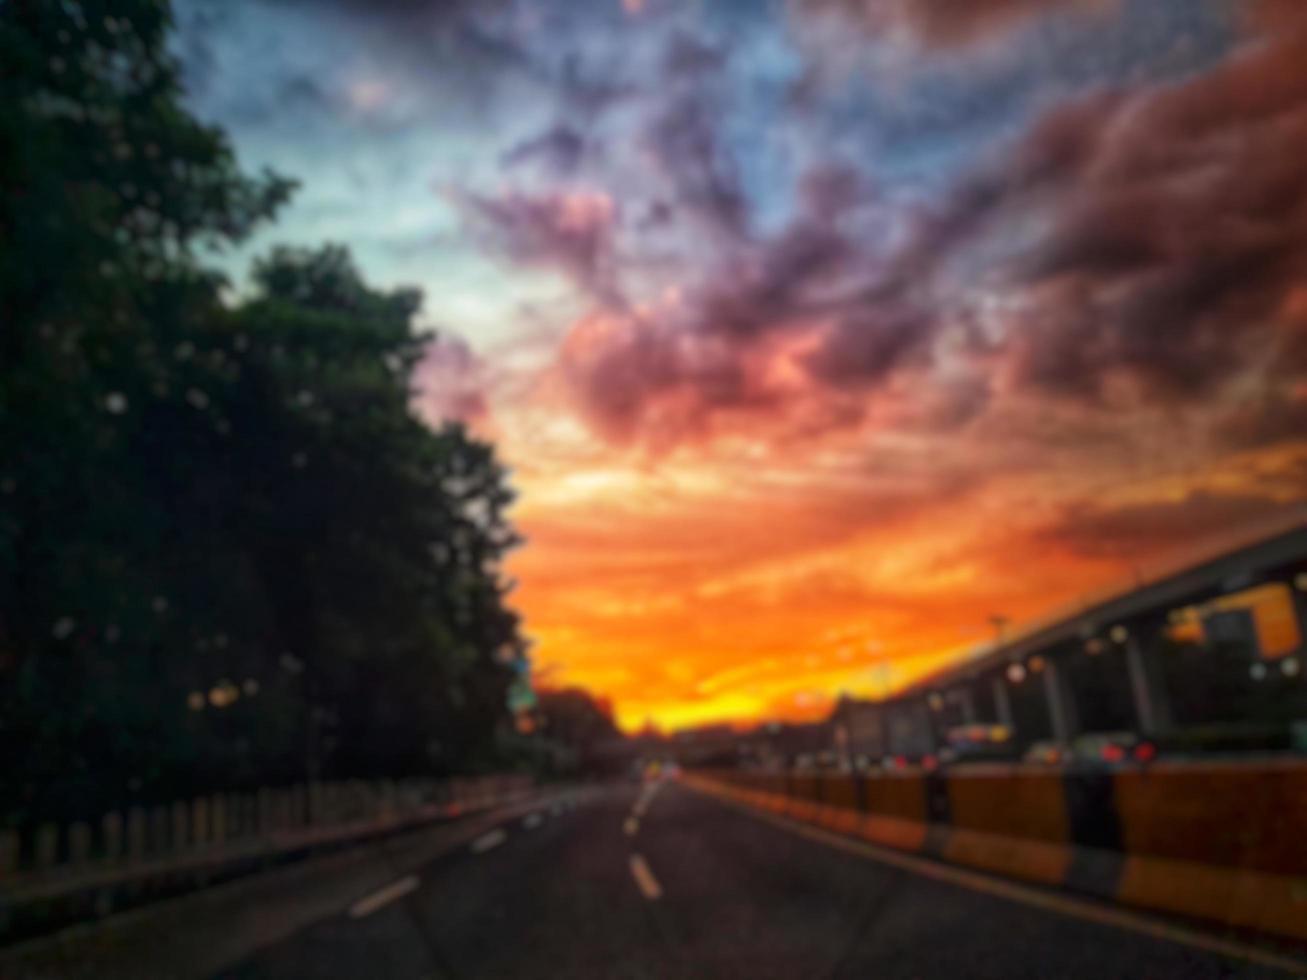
1224	842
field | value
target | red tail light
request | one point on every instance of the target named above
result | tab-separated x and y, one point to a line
1146	752
929	763
1113	753
900	762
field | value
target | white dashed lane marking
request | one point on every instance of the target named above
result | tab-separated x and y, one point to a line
384	897
489	841
645	879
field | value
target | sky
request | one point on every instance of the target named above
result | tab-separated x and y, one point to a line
815	333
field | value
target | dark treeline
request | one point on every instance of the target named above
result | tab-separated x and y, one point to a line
229	554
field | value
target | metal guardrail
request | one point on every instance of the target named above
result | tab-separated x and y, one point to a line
66	873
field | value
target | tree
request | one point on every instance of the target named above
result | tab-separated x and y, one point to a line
573	718
107	187
386	582
228	552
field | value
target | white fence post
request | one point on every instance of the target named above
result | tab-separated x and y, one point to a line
47	846
111	831
136	833
181	826
79	843
9	849
217	818
199	821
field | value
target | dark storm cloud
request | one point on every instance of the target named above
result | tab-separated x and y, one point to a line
1177	234
1147	233
673	369
1150	236
687	55
430	12
442	62
572	232
684	140
559	151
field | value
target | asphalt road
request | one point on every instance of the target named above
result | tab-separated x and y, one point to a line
680	885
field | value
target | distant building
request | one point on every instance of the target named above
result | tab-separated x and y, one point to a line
858	729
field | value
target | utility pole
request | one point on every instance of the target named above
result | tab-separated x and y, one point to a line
1002	703
1000	624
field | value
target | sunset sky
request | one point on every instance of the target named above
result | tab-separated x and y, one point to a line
815	332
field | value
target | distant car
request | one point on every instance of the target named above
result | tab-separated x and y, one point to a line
1047	754
1114	747
1104	747
978	743
1099	748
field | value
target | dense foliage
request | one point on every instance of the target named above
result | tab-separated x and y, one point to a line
229	554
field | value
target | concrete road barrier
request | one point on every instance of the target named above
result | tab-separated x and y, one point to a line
1222	842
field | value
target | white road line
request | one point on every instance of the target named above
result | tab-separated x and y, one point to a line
649	886
533	820
489	841
631	827
396	889
646	797
1068	905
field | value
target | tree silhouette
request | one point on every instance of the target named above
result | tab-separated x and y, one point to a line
228	551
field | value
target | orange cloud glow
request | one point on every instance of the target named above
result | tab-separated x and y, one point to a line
741	581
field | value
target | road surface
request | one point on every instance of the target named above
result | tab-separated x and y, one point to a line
670	884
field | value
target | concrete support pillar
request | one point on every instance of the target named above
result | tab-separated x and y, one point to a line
263	822
9	853
1152	712
967	704
317	811
217	819
136	833
1298	591
160	838
111	831
181	826
47	846
298	806
1061	709
1003	704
